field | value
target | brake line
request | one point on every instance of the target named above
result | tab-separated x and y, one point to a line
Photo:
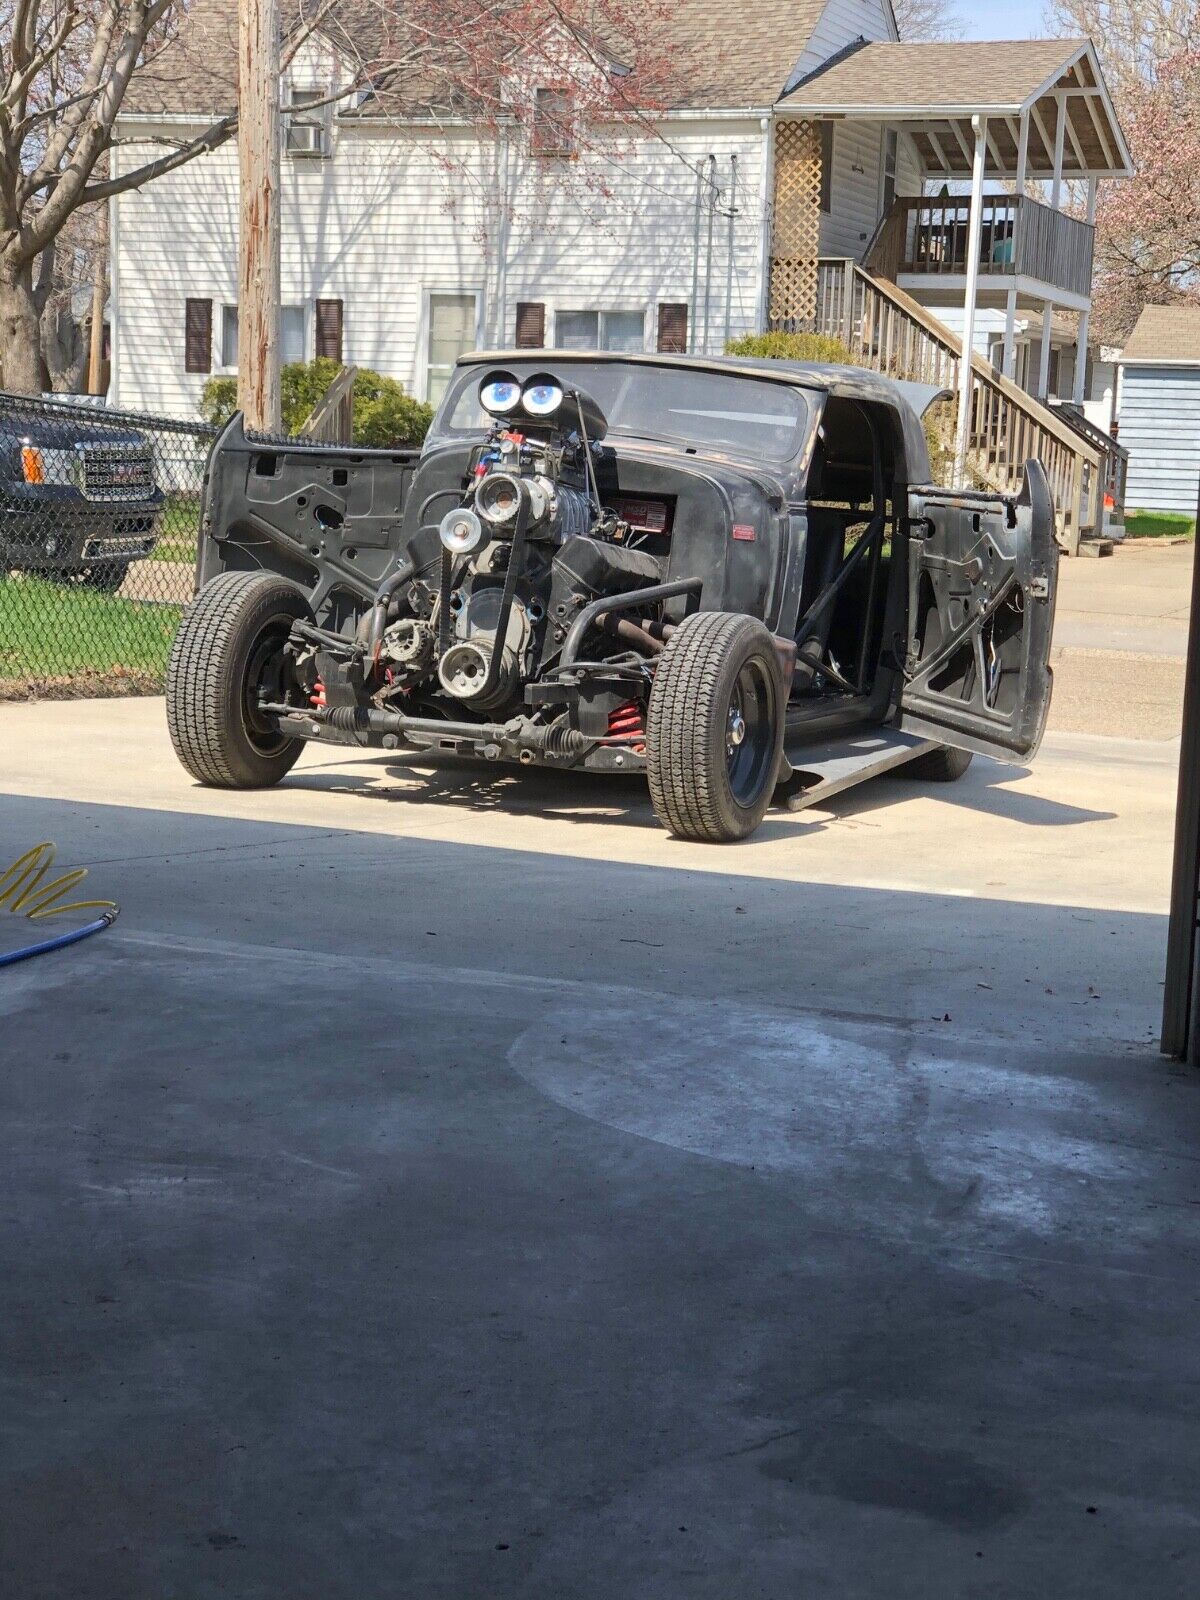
24	891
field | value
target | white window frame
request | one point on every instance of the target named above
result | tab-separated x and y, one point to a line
421	358
220	368
643	310
301	115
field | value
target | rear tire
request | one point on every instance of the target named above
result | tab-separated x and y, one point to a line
942	765
714	727
229	641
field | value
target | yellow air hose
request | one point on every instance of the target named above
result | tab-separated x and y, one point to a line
24	891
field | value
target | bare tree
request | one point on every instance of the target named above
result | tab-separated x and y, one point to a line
67	67
927	19
1133	37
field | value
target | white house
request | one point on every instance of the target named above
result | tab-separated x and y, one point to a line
822	173
1158	409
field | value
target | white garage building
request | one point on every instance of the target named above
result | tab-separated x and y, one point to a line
1159	409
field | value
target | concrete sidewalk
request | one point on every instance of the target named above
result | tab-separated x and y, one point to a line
441	1184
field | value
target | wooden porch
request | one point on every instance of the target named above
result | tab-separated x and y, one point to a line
1020	238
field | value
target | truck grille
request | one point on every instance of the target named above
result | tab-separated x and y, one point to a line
117	472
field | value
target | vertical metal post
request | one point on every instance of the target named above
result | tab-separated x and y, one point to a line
1181	1014
966	373
733	179
259	172
708	256
1043	388
695	306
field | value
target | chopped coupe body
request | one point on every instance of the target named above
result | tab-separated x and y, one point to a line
712	570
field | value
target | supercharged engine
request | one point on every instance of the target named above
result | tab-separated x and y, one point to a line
528	544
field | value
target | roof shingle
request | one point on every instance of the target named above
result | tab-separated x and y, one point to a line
1165	333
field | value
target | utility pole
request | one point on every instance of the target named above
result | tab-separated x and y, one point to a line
99	294
258	167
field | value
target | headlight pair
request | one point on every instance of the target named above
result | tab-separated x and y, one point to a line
502	395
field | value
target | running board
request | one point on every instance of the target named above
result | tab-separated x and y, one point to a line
813	773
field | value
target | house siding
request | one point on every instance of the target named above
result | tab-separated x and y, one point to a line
1160	427
841	22
387	220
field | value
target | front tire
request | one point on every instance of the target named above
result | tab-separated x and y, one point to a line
942	765
230	642
714	727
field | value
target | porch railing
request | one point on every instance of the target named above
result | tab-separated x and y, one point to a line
888	332
1021	237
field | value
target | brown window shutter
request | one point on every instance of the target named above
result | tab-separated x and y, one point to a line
673	328
329	329
197	336
531	325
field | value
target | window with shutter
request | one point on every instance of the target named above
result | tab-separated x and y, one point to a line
673	328
531	325
197	337
329	329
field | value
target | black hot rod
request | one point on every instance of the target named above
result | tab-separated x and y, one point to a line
730	574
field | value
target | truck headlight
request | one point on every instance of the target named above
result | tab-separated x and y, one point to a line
542	396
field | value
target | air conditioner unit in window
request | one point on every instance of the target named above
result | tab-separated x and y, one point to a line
307	139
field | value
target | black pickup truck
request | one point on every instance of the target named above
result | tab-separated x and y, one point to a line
78	496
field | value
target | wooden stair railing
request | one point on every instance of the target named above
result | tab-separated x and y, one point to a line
890	333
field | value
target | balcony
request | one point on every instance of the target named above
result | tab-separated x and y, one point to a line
925	239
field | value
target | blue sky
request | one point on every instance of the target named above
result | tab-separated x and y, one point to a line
1002	19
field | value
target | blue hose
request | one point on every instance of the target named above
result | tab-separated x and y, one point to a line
60	941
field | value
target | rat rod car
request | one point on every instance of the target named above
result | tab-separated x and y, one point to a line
729	574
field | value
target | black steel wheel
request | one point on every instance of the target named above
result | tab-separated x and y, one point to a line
714	727
227	654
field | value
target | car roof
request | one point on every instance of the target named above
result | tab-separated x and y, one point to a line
857	382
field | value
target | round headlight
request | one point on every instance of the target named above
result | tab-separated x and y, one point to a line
500	394
460	531
498	498
542	397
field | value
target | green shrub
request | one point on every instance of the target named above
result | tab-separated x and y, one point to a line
792	347
383	414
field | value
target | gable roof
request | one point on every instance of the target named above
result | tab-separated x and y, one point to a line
1165	333
728	59
941	86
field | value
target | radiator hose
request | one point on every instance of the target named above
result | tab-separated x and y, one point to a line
24	891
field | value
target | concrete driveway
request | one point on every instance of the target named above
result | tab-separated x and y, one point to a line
441	1184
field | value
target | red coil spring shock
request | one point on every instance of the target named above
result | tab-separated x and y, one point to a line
625	723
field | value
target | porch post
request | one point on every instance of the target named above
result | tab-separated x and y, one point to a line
1043	388
1010	334
1085	317
1010	320
1060	134
974	250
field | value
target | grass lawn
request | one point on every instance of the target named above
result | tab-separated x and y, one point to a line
178	528
1159	525
51	631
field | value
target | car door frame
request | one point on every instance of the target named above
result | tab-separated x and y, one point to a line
976	563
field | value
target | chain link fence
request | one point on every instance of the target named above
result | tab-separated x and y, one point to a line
99	515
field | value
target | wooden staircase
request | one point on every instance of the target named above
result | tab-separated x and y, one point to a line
889	332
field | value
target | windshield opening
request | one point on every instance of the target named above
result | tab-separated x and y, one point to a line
739	416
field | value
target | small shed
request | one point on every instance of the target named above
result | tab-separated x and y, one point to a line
1159	409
